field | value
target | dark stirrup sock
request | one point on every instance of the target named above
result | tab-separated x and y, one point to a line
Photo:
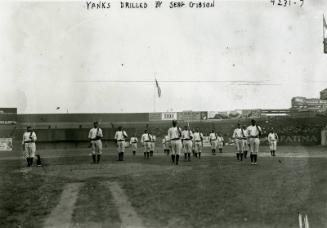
177	158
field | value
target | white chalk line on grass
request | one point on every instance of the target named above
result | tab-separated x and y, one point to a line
127	213
61	215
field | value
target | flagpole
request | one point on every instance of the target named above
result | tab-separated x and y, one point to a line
154	98
154	93
323	31
323	27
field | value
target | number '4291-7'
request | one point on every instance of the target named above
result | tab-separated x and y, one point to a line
287	2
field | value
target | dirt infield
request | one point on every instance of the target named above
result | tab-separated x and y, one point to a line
61	215
127	213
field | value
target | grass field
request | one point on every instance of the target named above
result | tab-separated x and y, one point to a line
216	191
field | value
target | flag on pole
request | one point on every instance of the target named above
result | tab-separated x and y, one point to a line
158	88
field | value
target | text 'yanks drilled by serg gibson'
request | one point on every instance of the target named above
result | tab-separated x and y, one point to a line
102	5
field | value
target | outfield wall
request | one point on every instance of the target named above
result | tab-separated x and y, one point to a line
290	131
72	129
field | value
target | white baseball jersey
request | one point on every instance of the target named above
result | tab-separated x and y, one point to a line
212	136
272	137
220	139
197	136
238	133
153	138
174	133
253	131
120	135
145	137
94	132
187	134
133	140
29	137
245	132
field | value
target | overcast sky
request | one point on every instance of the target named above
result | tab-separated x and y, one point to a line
247	54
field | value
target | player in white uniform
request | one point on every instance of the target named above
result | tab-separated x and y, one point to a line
187	137
272	139
29	147
120	137
175	134
193	144
254	132
153	144
220	142
164	146
245	142
95	136
238	137
213	141
167	144
198	142
146	141
133	142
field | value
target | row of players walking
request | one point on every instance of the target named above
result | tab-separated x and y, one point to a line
191	142
188	141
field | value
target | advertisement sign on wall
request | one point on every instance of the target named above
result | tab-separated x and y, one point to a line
236	114
155	116
189	116
5	144
204	115
169	116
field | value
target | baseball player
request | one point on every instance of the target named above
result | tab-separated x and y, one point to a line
198	142
187	137
146	142
272	139
153	144
133	142
95	136
245	142
220	142
29	147
238	137
165	144
254	132
120	137
175	134
213	141
193	145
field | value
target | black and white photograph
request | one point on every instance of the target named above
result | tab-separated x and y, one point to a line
163	114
